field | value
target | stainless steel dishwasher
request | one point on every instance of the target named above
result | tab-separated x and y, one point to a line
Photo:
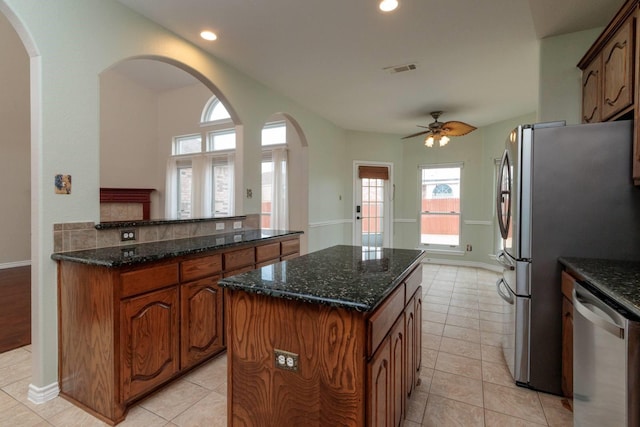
606	362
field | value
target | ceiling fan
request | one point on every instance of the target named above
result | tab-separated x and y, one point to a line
440	132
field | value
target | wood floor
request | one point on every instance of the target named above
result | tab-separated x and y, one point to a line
15	307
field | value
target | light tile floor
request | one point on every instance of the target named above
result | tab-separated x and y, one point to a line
465	381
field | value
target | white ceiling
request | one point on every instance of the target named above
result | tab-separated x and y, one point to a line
476	60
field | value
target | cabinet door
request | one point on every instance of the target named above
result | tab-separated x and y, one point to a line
617	71
379	403
149	340
201	320
410	321
418	342
398	371
591	92
567	347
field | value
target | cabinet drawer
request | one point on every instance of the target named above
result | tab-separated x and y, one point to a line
200	267
381	321
413	282
268	252
238	271
290	246
237	259
147	279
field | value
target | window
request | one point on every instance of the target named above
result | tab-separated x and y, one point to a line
274	208
200	177
440	211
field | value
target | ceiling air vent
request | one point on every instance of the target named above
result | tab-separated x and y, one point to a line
400	68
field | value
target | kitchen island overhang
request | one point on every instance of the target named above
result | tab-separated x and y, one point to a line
328	338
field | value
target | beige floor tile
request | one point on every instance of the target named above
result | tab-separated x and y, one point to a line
491	338
416	406
557	410
174	399
457	387
138	416
463	303
426	375
436	300
75	417
431	341
15	365
439	292
434	316
465	334
432	327
6	402
439	308
443	412
19	391
492	353
409	423
492	317
517	402
462	321
429	358
210	375
459	365
461	348
489	326
463	312
211	411
15	357
497	373
495	419
21	416
493	308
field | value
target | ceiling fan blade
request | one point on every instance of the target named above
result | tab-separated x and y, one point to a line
426	127
416	134
457	128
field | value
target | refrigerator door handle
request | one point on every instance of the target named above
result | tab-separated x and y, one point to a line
503	259
505	296
586	309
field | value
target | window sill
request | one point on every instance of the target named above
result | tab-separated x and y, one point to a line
456	252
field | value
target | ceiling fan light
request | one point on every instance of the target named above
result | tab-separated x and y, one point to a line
444	140
429	141
388	5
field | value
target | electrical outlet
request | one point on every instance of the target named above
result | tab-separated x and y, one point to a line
126	235
237	238
286	360
237	225
469	248
219	226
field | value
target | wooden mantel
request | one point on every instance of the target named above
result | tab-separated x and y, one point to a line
129	195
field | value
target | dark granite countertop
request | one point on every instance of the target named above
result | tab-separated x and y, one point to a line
149	222
340	276
121	256
618	280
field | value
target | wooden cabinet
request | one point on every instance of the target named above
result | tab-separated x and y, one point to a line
124	332
354	367
201	320
567	335
150	341
611	75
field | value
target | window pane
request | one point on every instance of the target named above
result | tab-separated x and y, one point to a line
188	144
440	206
222	140
216	111
274	133
221	189
267	191
184	192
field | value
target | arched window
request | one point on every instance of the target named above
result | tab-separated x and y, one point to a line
200	175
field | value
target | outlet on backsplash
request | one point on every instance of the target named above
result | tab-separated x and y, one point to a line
126	235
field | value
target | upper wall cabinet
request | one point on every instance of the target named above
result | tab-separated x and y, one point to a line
611	75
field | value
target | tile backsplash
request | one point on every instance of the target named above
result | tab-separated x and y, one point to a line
84	235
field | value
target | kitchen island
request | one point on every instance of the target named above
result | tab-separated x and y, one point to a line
329	338
133	318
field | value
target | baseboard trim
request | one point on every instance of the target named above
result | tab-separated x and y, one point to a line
15	264
460	263
40	395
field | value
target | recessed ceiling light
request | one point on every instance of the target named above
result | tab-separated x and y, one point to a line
208	35
388	5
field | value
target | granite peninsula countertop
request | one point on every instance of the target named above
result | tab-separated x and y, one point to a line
341	276
618	280
122	256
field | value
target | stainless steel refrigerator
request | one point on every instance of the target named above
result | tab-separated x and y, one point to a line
562	191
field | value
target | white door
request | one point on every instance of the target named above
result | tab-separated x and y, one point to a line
372	208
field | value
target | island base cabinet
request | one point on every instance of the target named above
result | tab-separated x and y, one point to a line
149	322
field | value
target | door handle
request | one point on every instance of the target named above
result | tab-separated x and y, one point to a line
583	307
507	297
